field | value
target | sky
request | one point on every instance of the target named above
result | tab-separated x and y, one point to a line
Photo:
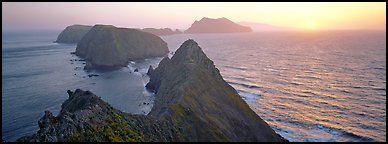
175	15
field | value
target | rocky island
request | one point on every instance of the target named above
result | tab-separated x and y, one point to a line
193	103
162	31
109	47
219	25
73	34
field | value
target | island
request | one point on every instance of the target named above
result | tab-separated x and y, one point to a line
162	31
192	103
109	47
73	34
219	25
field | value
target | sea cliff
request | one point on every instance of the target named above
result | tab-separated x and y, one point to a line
109	47
73	34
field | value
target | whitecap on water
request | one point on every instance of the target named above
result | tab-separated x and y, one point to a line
249	97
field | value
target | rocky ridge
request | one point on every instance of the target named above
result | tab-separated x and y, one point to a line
192	103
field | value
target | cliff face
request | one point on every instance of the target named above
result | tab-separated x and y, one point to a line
193	103
106	46
72	34
220	25
161	32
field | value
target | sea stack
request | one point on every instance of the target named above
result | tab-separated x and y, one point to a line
192	103
109	47
219	25
73	34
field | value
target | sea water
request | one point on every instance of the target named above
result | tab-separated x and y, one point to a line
308	86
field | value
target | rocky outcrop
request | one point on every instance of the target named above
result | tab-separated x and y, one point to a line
80	112
193	103
161	31
109	47
220	25
72	34
192	94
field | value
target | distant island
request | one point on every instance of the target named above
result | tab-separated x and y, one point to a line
264	27
73	34
193	103
219	25
109	47
162	31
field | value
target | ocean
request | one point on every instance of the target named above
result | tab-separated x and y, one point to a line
308	86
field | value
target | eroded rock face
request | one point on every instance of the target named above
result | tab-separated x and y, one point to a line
220	25
193	103
109	47
73	34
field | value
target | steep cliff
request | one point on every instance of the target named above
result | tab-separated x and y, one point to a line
73	34
220	25
106	46
192	103
192	94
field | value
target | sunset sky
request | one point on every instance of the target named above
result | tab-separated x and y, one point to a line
303	16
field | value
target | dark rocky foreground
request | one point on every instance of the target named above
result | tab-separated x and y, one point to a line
193	103
73	34
219	25
109	47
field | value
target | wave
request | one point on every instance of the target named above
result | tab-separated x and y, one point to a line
249	97
245	85
236	68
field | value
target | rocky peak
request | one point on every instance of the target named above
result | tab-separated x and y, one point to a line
80	100
150	70
190	89
190	52
82	108
188	56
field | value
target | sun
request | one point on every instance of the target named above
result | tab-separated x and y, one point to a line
310	25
